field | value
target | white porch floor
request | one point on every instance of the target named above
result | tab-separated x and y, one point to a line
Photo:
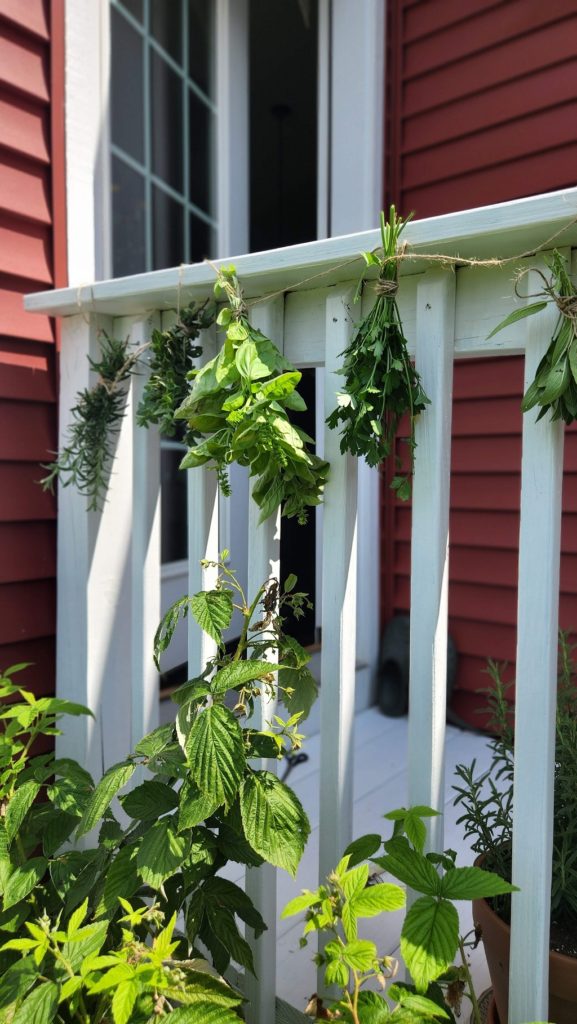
380	785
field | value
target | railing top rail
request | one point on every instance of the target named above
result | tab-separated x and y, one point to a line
503	230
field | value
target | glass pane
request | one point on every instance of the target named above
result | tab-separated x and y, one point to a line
200	126
200	239
166	105
168	231
126	87
200	43
166	26
173	534
128	209
135	8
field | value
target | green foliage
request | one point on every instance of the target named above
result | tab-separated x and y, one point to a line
170	359
381	384
239	411
554	389
430	936
487	798
89	935
86	458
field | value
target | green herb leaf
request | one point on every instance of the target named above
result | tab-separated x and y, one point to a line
473	884
215	752
516	315
274	821
429	939
212	610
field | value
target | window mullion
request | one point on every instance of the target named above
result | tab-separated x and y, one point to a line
185	131
147	139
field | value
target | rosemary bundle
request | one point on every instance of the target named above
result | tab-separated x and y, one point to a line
381	383
555	386
86	458
240	403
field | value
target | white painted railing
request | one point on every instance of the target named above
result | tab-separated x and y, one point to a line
109	569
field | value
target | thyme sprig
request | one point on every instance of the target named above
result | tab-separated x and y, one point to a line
240	404
554	388
86	459
381	383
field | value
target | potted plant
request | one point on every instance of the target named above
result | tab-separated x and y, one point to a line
487	803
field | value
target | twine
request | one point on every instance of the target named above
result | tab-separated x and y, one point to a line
567	306
386	287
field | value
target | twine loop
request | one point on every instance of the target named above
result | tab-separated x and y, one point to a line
386	287
567	306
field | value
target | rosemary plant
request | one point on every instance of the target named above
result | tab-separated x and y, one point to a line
381	383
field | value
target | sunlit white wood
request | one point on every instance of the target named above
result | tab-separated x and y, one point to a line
264	561
145	550
323	117
339	608
202	492
505	229
535	697
430	547
232	131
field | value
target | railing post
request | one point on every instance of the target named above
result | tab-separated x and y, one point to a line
339	576
202	487
430	546
536	690
264	561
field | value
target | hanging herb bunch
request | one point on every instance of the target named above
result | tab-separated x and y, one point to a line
240	403
86	458
381	383
555	386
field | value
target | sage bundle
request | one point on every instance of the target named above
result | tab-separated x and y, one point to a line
381	383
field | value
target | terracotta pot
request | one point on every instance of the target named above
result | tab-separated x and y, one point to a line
492	1015
562	969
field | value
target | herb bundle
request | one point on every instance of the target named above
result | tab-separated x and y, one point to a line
240	401
171	358
85	460
555	386
381	383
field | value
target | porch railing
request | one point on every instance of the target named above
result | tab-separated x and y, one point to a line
109	562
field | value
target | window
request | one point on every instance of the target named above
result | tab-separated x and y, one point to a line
162	127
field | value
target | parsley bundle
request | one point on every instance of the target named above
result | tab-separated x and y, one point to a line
240	401
555	386
381	383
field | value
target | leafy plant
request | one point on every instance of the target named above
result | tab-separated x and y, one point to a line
487	799
90	935
381	383
241	403
555	386
87	456
430	936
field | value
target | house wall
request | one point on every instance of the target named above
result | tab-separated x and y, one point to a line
482	100
31	205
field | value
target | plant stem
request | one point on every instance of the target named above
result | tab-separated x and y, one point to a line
470	988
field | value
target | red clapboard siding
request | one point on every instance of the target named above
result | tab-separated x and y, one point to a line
25	127
482	108
28	551
27	431
32	256
26	371
40	654
37	595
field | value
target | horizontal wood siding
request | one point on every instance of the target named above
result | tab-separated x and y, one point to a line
31	73
482	103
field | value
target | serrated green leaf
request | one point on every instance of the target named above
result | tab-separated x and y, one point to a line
429	939
155	741
121	880
215	752
274	821
17	980
22	881
194	806
237	673
161	853
123	1001
87	942
473	884
359	954
149	800
354	881
19	806
111	782
409	867
212	610
69	988
373	1009
77	918
304	689
518	314
300	903
376	898
203	1013
223	926
363	848
337	973
39	1007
